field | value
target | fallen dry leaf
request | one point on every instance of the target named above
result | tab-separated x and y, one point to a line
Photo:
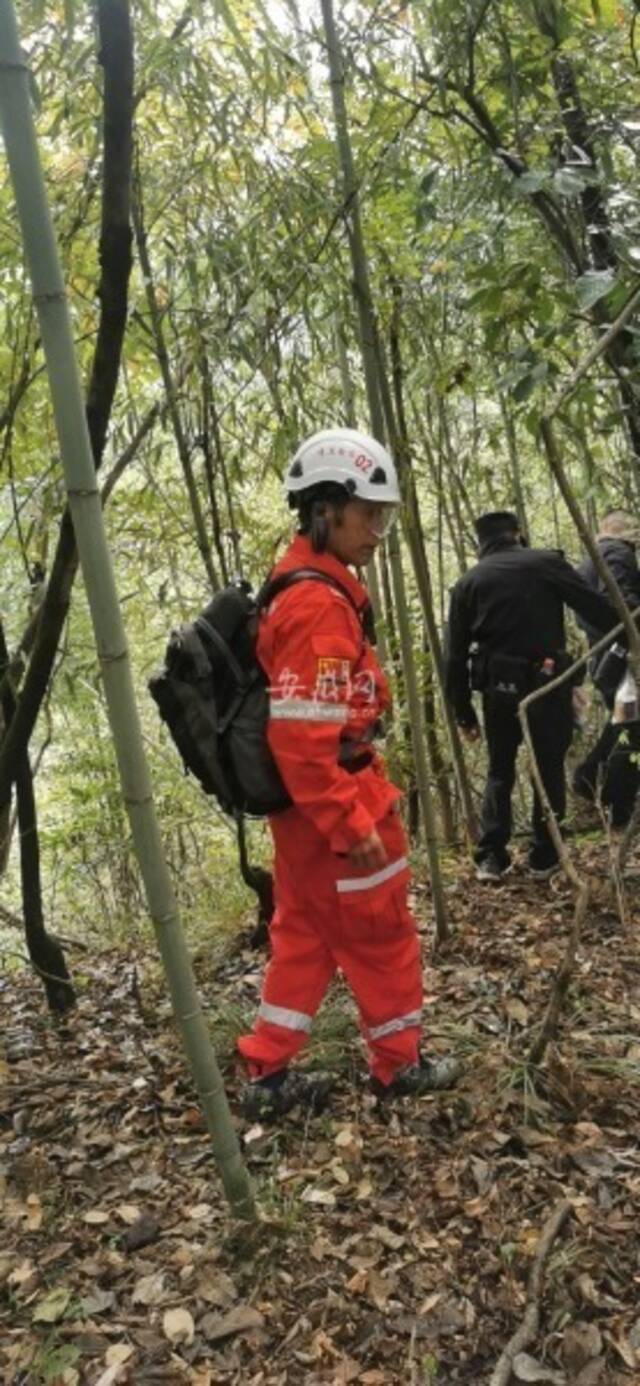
142	1233
580	1343
358	1282
178	1326
216	1326
98	1302
323	1197
118	1353
200	1211
112	1375
622	1345
516	1010
339	1173
22	1275
217	1288
149	1289
127	1212
388	1238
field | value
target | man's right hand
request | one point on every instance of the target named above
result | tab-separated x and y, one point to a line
470	733
369	853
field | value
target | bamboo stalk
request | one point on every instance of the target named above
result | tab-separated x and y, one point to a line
84	501
172	397
374	382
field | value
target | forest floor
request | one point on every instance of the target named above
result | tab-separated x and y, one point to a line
394	1246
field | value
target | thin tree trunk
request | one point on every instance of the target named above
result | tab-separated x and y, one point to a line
234	528
6	831
347	387
456	532
514	464
84	501
440	769
418	550
45	952
202	538
116	54
210	457
348	404
373	381
395	658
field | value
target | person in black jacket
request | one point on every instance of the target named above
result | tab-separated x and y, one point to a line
506	634
611	766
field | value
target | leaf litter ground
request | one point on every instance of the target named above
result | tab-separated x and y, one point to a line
393	1247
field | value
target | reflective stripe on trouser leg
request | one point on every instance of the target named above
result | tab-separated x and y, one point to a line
393	1046
282	1015
393	1027
378	975
297	977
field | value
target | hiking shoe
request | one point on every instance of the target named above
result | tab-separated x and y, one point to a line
428	1075
267	1099
542	871
490	868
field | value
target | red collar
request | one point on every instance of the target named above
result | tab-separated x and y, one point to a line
301	555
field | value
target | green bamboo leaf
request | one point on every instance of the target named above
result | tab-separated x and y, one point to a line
531	182
571	182
593	286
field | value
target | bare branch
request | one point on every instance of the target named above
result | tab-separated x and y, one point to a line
527	1332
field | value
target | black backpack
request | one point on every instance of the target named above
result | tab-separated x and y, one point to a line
213	696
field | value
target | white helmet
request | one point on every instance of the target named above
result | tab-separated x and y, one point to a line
352	459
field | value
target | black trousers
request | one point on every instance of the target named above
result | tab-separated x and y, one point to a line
551	725
612	767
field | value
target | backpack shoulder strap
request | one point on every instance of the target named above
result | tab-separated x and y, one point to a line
274	586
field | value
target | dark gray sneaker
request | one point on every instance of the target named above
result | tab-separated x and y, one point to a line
268	1099
490	868
429	1075
542	868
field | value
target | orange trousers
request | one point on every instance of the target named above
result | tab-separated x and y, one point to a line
329	916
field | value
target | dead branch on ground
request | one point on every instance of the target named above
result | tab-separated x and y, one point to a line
528	1329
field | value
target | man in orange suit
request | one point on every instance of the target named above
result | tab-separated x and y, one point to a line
340	868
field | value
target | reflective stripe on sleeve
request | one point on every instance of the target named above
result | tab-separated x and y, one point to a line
306	710
345	886
281	1015
392	1027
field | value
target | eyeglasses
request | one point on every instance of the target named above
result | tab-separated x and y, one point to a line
380	518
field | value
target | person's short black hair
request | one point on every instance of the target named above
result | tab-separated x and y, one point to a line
496	523
323	493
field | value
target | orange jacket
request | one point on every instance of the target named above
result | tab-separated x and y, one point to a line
325	686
